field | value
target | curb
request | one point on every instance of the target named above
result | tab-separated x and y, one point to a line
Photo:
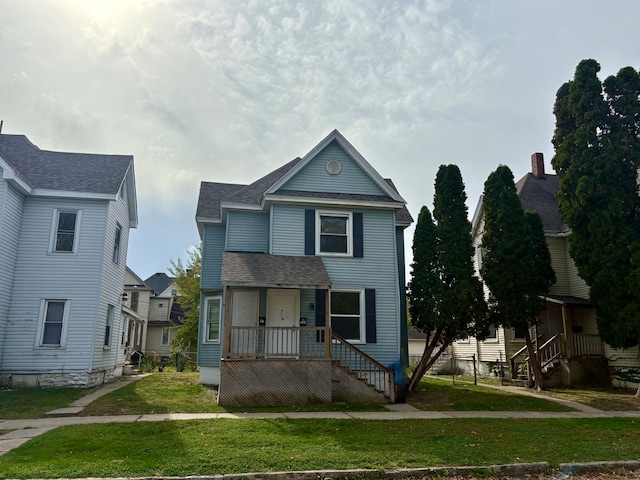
598	467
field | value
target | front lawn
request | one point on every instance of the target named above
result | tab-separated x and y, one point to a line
439	394
35	402
610	399
225	446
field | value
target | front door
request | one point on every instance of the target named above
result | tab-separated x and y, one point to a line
244	341
283	316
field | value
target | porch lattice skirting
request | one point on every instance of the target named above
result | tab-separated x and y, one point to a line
288	382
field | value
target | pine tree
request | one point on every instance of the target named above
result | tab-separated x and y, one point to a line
516	264
447	301
597	142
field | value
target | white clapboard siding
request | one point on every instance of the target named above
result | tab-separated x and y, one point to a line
41	275
11	205
112	288
558	252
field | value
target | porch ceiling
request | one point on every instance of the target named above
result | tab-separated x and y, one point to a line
273	271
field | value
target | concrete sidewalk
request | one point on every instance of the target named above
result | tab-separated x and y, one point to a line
22	430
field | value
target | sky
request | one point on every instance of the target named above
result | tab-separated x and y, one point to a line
227	91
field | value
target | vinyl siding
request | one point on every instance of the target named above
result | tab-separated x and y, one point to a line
558	251
112	287
212	247
578	287
44	275
213	244
287	230
247	232
11	206
314	176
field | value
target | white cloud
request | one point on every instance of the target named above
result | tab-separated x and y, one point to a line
217	90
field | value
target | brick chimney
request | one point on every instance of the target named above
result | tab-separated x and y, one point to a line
537	164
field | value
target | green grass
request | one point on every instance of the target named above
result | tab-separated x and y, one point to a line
166	392
34	402
179	392
438	394
610	399
232	446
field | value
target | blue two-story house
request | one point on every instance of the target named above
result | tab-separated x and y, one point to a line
303	282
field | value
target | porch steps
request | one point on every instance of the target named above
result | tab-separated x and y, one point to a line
365	378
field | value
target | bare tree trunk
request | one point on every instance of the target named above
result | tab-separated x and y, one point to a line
534	363
421	367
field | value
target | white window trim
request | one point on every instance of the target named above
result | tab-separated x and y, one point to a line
363	316
493	339
117	247
205	334
43	315
334	213
168	330
514	338
54	230
106	342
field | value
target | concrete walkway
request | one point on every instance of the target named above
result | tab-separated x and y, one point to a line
22	430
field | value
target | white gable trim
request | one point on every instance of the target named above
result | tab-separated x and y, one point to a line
355	156
9	174
332	202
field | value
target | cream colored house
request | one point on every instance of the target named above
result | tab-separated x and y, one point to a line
567	337
163	314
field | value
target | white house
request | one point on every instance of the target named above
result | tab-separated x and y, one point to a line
64	232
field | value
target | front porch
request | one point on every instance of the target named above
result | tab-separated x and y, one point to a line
277	344
567	343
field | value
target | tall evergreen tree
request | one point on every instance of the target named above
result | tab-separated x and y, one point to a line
449	301
597	142
516	265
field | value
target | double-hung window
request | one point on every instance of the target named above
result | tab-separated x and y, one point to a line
116	245
334	233
212	319
347	316
52	331
109	326
65	233
164	341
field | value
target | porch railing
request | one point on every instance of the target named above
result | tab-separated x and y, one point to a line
310	343
586	345
275	342
551	350
363	366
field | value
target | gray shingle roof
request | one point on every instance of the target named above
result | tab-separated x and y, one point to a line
158	282
211	194
539	194
71	172
263	270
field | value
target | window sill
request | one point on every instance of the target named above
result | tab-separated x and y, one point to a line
50	347
329	254
106	348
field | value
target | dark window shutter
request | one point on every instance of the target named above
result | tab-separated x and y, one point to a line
358	241
321	310
370	309
309	232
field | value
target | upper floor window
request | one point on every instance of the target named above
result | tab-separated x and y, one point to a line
116	245
65	237
212	319
135	298
109	325
54	313
334	233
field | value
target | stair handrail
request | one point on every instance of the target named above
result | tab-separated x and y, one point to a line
376	368
513	357
551	350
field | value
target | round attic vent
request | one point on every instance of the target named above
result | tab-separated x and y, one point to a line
334	167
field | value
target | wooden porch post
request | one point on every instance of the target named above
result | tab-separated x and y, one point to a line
566	325
327	325
227	322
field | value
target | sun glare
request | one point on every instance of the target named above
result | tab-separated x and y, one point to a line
101	10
